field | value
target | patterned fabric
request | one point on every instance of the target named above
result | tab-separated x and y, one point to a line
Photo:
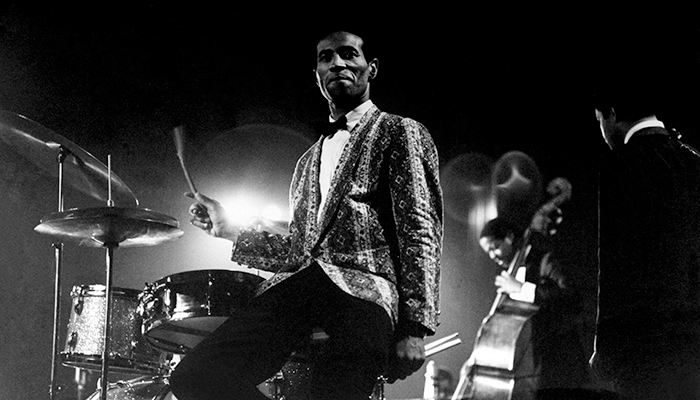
379	236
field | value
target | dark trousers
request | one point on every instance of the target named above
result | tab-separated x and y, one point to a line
256	342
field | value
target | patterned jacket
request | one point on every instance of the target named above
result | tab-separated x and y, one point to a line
379	236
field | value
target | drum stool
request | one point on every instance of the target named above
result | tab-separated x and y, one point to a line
293	380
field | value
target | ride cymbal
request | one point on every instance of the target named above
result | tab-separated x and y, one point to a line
111	226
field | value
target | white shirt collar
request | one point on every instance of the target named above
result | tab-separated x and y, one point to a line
355	115
644	123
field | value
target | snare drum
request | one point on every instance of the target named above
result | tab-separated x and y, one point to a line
142	388
128	350
180	310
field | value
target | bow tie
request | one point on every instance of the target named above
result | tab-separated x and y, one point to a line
326	128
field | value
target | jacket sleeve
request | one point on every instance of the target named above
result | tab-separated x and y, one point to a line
417	207
261	250
264	250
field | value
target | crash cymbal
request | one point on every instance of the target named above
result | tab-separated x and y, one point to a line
102	226
81	170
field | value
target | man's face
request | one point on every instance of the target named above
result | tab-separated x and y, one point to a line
499	250
342	72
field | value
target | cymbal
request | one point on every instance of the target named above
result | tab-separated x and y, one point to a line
105	226
81	170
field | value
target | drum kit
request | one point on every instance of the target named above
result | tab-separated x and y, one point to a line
151	329
117	330
120	330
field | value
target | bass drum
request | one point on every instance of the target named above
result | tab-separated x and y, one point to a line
142	388
129	352
180	310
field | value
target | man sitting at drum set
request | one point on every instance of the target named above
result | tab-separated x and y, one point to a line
361	261
359	266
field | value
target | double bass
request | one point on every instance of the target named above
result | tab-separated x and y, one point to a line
489	371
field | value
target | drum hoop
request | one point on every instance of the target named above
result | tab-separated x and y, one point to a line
99	290
118	363
155	323
177	316
182	276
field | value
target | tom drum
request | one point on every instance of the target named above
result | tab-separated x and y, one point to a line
129	352
180	310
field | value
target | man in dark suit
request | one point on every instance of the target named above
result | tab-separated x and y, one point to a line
549	356
648	324
361	260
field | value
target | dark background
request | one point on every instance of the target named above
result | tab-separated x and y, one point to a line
485	80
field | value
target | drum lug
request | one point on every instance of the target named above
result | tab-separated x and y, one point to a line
145	296
278	382
145	300
78	306
171	296
72	341
76	291
154	306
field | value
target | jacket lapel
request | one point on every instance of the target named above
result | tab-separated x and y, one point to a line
343	173
313	195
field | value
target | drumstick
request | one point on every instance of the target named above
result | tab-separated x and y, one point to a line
178	135
440	341
442	344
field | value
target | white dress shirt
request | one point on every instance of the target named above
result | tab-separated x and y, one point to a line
527	292
332	149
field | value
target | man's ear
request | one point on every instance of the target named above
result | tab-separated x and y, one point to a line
373	68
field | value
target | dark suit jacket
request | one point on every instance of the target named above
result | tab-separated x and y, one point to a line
379	236
649	266
555	335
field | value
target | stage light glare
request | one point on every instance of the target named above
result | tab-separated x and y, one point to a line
240	209
482	212
244	209
272	212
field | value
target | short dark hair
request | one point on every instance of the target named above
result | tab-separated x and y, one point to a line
367	50
498	228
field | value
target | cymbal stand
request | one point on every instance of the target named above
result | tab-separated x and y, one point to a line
110	243
81	379
58	255
108	311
